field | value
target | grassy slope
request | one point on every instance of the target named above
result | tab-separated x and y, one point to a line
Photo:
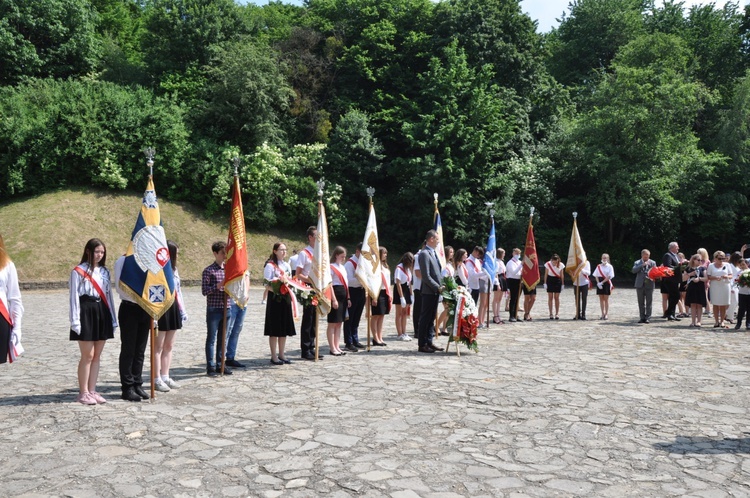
45	235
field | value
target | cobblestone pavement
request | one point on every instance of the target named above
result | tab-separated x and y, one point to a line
547	408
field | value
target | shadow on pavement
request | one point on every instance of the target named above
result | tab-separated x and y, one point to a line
705	446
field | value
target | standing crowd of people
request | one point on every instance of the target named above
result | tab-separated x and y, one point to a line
692	288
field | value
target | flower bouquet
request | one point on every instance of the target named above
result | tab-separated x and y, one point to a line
744	279
659	272
462	314
305	294
280	290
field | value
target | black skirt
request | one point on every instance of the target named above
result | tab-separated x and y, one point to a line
279	317
405	290
605	290
338	315
96	321
502	283
554	285
172	319
696	294
381	307
4	339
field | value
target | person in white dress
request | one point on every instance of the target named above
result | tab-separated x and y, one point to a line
11	308
721	276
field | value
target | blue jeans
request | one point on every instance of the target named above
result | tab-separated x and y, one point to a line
235	320
214	323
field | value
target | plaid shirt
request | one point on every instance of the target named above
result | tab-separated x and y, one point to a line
213	278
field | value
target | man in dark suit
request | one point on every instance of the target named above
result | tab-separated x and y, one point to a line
672	283
430	268
644	286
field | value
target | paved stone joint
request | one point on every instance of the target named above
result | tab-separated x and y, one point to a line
547	408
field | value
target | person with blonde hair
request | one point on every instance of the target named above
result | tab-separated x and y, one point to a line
340	301
604	273
706	259
382	306
11	307
721	276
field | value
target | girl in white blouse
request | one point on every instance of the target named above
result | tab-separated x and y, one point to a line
11	308
604	273
92	316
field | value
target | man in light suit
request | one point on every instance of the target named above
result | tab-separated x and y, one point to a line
644	286
431	288
672	284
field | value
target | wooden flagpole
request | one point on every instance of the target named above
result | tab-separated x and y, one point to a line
223	338
152	339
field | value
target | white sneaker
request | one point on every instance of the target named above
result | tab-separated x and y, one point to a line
406	337
402	337
161	386
171	383
263	302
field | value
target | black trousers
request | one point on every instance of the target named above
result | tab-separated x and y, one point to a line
583	295
514	285
743	308
135	326
351	326
673	293
427	318
307	330
416	311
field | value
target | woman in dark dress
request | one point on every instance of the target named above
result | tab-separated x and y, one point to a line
340	301
279	317
695	293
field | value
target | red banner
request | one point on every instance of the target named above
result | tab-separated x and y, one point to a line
530	267
235	265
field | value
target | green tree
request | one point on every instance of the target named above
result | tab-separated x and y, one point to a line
590	36
638	158
50	38
354	160
246	97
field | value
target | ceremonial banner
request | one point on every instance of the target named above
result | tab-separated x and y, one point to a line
490	252
236	276
368	270
530	267
147	275
576	255
440	248
320	272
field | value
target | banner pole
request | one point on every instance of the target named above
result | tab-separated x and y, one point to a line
152	339
317	327
368	311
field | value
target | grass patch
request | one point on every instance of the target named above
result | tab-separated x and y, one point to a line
45	235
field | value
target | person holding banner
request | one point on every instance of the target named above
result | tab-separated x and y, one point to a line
604	273
307	329
500	286
513	275
11	308
217	304
169	323
553	282
279	307
340	301
402	293
581	285
382	306
92	317
358	299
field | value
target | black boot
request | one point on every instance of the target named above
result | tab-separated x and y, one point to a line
129	394
140	392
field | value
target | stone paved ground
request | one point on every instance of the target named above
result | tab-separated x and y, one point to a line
545	409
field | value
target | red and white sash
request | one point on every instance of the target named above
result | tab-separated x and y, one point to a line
4	312
342	279
552	269
601	274
408	277
96	287
354	263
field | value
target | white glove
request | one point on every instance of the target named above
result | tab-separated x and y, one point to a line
15	340
544	285
15	335
184	317
403	301
599	284
562	288
76	327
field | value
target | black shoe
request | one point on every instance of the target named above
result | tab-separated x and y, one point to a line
673	318
286	362
435	348
359	345
227	370
276	362
351	348
140	392
233	363
583	317
311	357
737	327
426	349
513	320
211	372
646	321
129	394
334	354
